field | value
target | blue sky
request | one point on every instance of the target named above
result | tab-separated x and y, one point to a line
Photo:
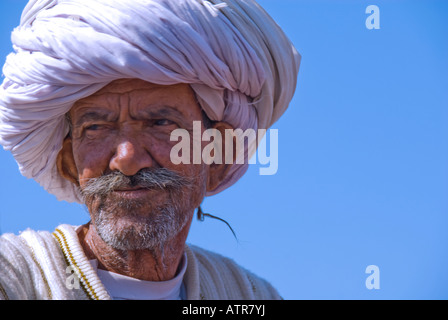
363	160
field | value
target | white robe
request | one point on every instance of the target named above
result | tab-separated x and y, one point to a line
40	265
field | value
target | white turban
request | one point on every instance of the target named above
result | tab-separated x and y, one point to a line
237	60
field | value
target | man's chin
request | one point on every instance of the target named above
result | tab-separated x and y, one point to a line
138	231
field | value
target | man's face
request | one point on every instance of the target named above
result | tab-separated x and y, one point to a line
121	132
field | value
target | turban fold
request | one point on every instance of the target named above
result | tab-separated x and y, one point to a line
241	66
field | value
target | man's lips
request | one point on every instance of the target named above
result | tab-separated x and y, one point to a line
130	189
132	193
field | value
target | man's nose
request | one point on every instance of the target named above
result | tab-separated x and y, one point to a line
130	157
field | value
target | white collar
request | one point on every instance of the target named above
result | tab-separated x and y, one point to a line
121	287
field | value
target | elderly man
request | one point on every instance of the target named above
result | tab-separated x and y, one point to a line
91	97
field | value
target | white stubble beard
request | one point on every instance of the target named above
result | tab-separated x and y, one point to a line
120	226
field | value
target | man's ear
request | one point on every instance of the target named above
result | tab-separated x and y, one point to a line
66	162
218	171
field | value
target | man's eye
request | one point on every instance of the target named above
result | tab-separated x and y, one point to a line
163	122
93	127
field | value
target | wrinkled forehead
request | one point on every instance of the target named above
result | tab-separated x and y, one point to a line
140	87
141	97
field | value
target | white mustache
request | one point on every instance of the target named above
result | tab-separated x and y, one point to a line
159	178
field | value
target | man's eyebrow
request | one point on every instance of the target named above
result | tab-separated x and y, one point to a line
92	116
166	111
160	111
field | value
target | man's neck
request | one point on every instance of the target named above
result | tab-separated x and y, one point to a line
150	265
